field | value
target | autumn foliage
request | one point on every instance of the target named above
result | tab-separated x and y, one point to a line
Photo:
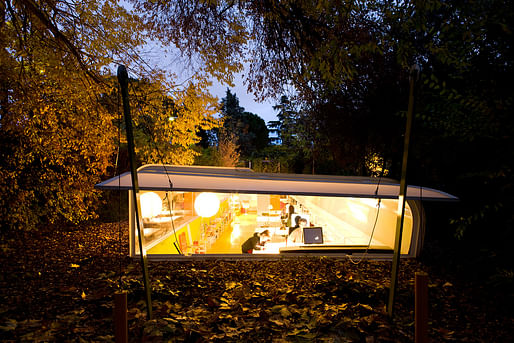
60	127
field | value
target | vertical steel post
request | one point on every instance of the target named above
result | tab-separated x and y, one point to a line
414	74
123	80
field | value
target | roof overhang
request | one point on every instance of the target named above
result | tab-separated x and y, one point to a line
244	180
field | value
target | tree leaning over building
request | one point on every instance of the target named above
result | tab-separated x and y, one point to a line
58	134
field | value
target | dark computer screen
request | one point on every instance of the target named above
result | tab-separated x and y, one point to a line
313	235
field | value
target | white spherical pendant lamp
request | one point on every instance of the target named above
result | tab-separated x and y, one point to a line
207	204
151	204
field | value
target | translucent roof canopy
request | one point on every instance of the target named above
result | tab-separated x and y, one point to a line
244	180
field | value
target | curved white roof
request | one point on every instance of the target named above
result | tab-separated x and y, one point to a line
244	180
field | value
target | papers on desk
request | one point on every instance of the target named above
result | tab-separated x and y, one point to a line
270	248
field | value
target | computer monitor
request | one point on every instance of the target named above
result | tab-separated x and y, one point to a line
313	235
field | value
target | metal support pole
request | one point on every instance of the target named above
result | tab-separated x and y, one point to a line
414	74
421	308
123	80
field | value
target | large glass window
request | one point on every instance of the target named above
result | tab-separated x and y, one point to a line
191	223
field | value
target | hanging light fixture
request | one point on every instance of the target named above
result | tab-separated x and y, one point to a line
207	204
151	204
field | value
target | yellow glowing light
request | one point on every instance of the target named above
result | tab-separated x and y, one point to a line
151	204
207	204
236	232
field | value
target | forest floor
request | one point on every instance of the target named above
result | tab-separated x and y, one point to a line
57	284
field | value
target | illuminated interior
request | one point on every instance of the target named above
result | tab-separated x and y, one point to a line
197	210
191	223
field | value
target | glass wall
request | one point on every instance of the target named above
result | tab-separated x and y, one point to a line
198	223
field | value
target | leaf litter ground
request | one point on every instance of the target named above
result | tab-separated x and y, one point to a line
57	285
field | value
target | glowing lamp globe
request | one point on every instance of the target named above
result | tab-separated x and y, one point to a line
207	204
151	204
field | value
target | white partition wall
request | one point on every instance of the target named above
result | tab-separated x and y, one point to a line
363	221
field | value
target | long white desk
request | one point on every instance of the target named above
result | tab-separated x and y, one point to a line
270	248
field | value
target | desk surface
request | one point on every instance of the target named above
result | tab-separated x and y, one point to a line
269	219
270	248
274	230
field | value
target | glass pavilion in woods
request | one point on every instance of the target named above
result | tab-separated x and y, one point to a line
196	210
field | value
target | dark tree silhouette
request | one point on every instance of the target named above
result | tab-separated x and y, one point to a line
250	129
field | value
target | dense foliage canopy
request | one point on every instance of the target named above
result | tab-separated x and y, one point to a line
59	108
